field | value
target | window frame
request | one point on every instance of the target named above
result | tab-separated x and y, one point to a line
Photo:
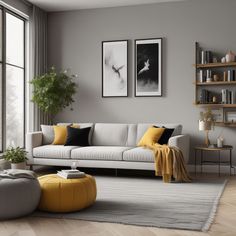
4	65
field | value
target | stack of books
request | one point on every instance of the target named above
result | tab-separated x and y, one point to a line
70	174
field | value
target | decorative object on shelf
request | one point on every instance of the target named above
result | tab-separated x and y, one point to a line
214	60
217	114
216	77
223	60
17	156
148	67
53	91
115	68
220	142
205	124
230	57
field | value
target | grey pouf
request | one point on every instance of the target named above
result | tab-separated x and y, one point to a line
18	197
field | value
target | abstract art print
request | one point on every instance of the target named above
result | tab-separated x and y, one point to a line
148	67
115	68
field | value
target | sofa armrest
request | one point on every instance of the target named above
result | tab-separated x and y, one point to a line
182	142
34	139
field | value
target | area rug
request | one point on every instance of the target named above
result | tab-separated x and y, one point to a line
150	202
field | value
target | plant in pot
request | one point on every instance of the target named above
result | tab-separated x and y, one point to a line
17	156
53	91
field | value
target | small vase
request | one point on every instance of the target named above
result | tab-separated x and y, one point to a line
21	165
230	57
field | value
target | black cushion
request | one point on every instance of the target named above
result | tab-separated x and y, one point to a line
165	136
77	137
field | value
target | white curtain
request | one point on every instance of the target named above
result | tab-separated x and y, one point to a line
38	59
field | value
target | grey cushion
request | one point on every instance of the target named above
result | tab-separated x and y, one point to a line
48	134
139	154
110	134
18	197
99	153
53	151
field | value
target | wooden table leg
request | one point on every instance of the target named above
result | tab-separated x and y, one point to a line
219	161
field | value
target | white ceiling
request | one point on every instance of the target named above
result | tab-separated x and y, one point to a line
67	5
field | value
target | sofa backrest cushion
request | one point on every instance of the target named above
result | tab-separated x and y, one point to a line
108	134
142	128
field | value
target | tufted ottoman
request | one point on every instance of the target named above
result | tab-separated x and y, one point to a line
18	197
66	195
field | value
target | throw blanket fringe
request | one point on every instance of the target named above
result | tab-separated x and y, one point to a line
169	161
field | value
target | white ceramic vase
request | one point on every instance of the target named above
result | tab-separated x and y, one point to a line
21	165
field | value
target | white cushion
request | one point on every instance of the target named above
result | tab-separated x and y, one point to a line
142	128
53	151
139	154
48	134
99	153
110	134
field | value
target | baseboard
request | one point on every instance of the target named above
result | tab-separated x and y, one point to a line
212	169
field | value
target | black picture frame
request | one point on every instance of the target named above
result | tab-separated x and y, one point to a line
115	68
148	67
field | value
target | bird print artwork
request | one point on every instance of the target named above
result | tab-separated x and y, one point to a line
148	67
145	68
115	69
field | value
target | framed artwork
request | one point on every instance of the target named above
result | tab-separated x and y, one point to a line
148	67
115	68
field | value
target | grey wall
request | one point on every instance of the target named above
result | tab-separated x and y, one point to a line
74	41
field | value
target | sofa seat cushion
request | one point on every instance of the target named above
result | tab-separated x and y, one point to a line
109	153
139	154
53	151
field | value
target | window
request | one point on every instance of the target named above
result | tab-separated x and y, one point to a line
12	79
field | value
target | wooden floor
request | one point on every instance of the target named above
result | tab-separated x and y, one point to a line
224	225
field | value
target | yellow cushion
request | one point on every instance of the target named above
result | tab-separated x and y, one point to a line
60	134
66	195
151	136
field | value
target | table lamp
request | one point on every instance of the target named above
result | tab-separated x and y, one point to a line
205	126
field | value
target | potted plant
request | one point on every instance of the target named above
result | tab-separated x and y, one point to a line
17	156
53	91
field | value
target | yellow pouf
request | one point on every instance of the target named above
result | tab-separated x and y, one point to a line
66	195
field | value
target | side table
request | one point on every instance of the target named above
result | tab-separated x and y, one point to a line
214	148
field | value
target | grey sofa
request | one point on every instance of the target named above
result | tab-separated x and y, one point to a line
112	146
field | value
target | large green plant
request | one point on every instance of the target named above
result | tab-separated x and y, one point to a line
15	155
53	91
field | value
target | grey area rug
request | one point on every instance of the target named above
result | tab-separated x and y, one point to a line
150	202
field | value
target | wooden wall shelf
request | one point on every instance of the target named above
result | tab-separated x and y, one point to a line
216	83
225	124
205	93
212	105
215	65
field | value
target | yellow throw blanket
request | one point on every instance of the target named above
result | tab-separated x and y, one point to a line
169	161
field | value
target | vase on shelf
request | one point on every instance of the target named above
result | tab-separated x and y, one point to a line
230	57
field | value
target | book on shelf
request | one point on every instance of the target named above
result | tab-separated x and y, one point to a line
206	57
227	96
231	75
71	174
